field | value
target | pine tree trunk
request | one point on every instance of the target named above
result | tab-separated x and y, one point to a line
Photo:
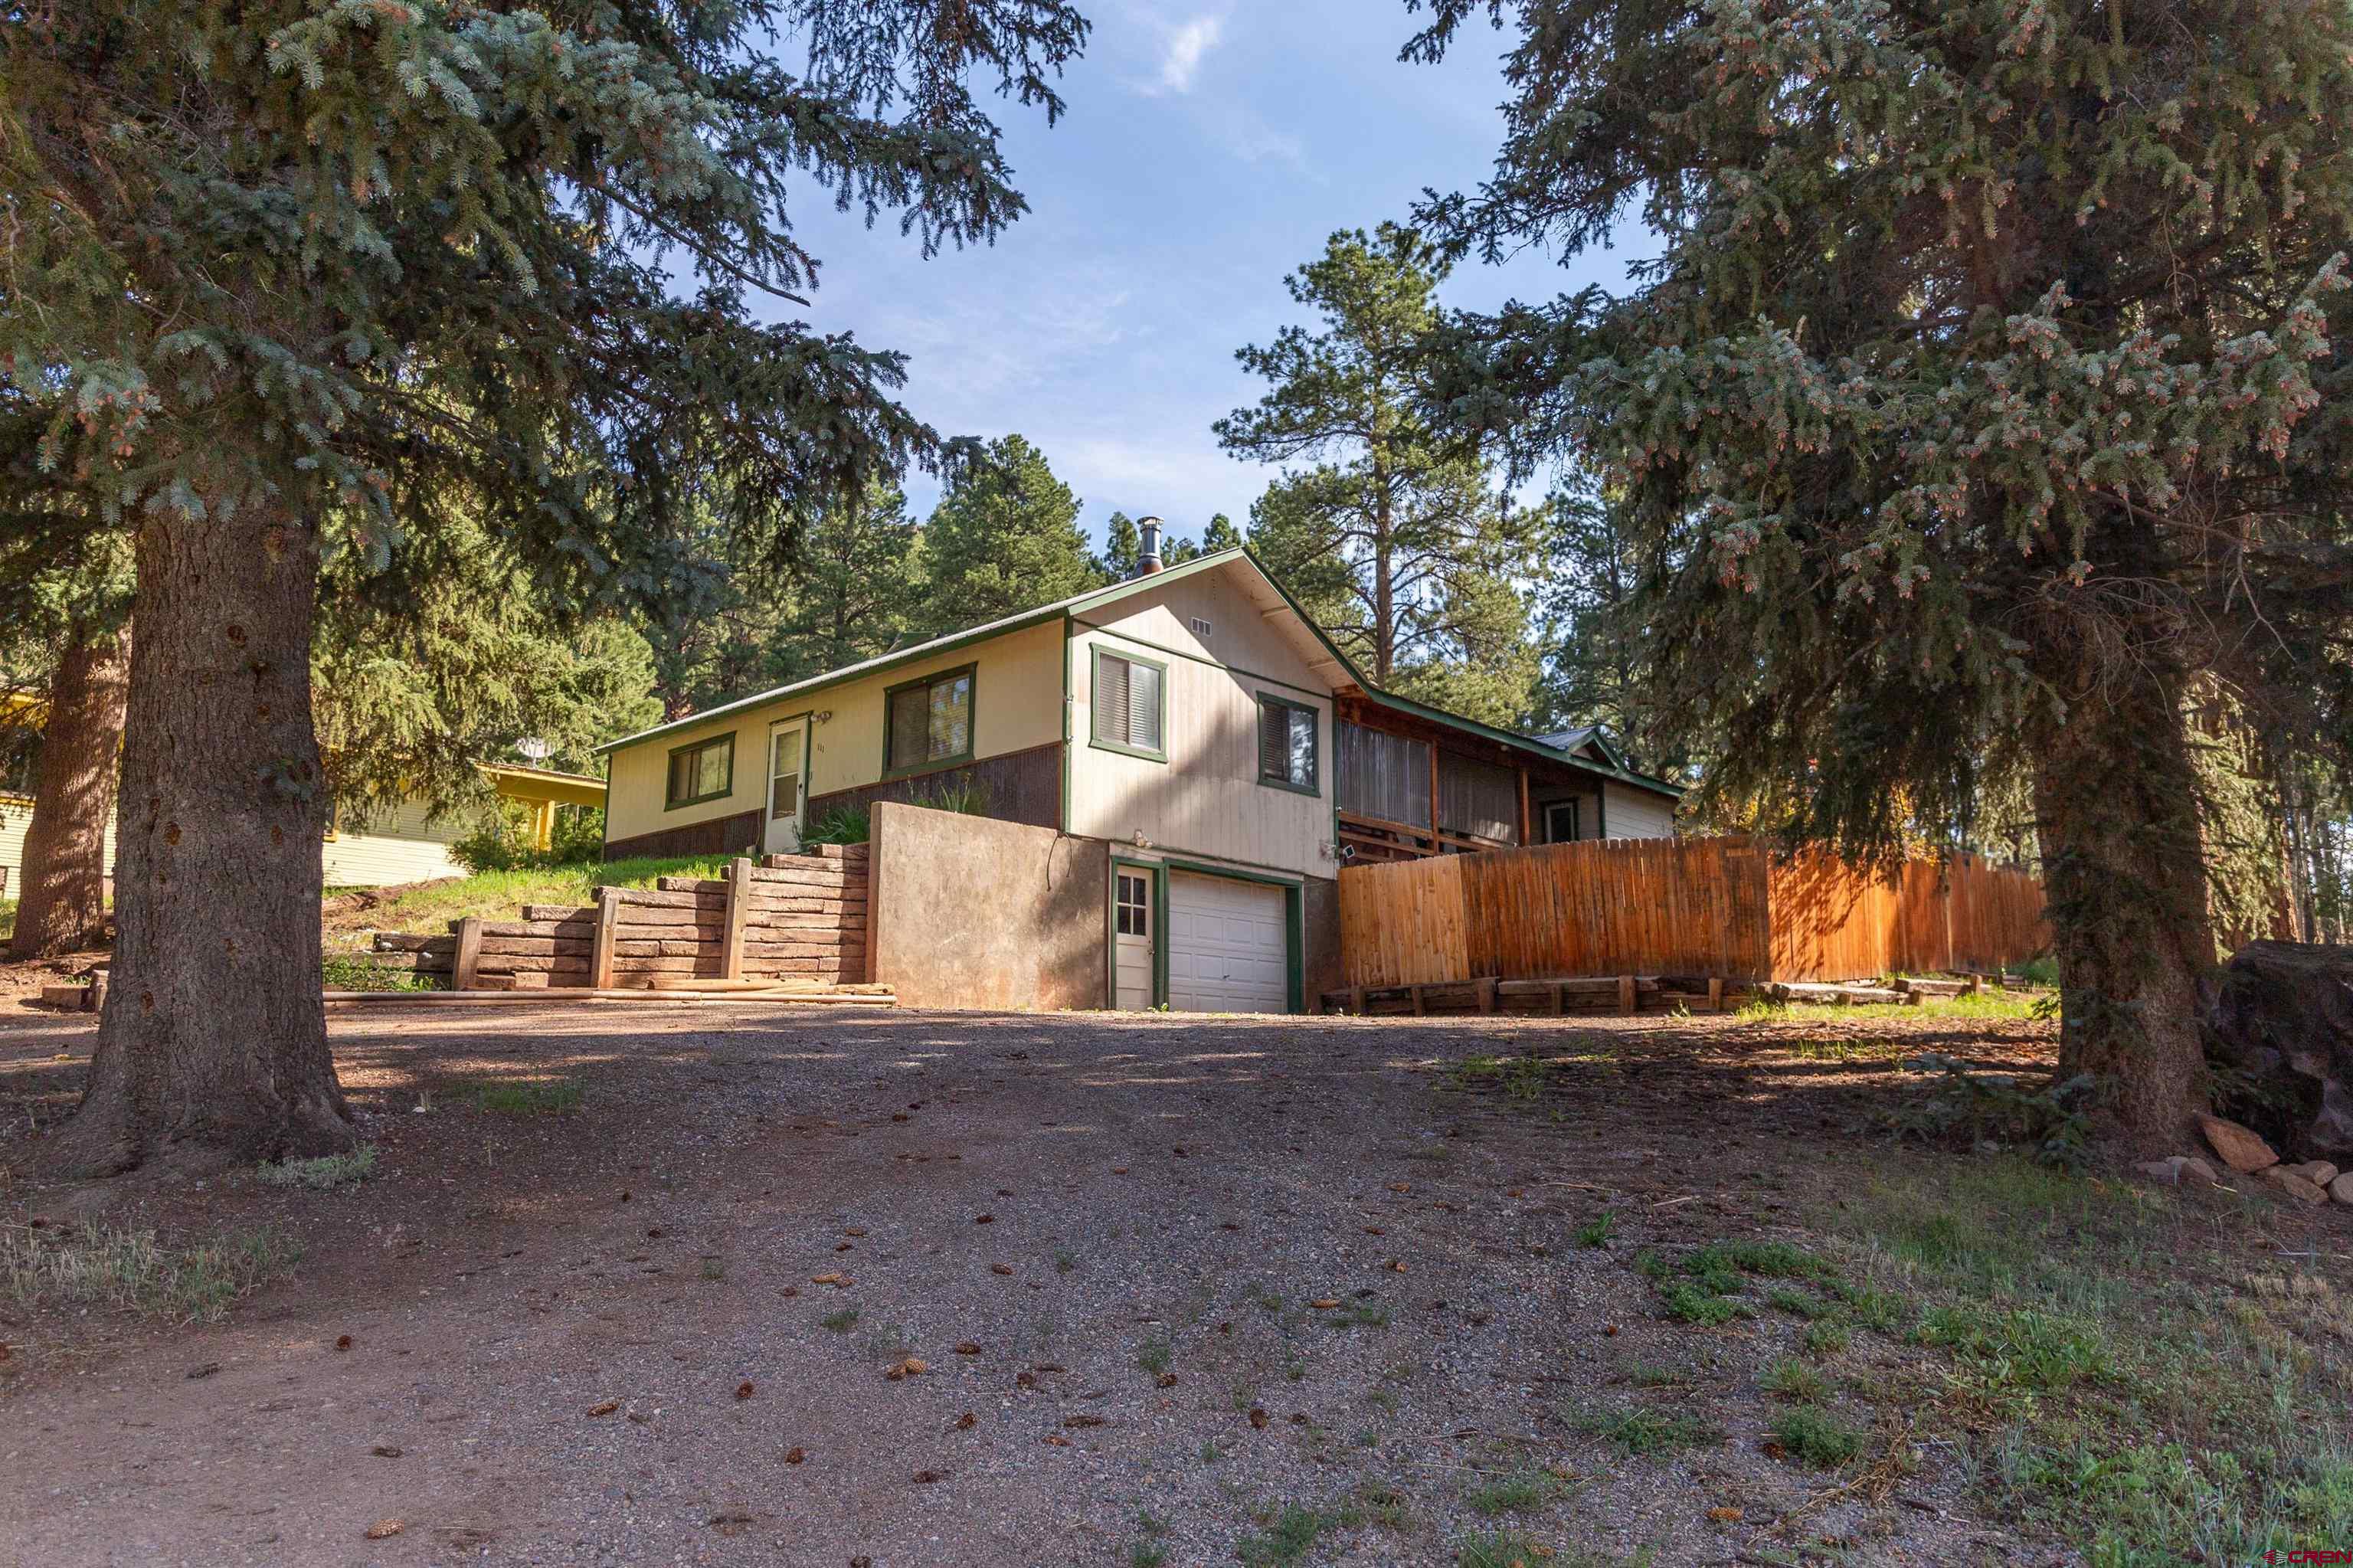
61	904
213	1049
2116	807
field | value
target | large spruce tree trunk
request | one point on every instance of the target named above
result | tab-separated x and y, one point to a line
2117	809
213	1047
61	901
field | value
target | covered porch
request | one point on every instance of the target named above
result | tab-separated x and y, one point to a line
1413	783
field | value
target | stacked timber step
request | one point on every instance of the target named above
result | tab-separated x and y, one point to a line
1544	997
787	920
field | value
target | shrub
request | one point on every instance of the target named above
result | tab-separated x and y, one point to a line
840	825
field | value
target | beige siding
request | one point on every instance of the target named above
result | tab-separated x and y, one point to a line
1016	704
402	846
1638	815
1206	798
1242	636
15	816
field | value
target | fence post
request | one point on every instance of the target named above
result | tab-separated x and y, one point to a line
469	953
1625	993
1716	993
608	921
739	914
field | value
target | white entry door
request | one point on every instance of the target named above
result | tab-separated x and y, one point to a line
787	789
1131	941
1227	945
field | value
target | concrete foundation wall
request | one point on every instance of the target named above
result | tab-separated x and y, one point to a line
974	913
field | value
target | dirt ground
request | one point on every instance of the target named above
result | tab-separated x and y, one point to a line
1169	1277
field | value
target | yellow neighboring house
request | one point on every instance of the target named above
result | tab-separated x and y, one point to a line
406	845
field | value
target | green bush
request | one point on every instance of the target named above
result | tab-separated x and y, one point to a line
840	825
500	842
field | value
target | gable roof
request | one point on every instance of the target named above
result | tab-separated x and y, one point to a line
949	643
1332	662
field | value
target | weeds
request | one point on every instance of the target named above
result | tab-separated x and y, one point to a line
1156	1356
363	972
1502	1549
1815	1438
129	1271
1789	1378
528	1098
1509	1494
1288	1536
328	1170
2053	1122
840	1322
1599	1232
1640	1432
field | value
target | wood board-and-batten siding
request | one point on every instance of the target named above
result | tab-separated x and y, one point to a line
1018	786
1713	906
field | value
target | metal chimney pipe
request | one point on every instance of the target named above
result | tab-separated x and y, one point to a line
1150	528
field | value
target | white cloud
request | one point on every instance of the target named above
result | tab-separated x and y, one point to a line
1180	55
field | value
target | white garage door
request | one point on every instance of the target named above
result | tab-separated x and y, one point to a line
1226	946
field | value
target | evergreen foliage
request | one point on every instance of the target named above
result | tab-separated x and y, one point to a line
1987	398
1004	538
854	588
1387	533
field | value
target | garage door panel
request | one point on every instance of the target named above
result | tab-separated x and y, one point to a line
1227	945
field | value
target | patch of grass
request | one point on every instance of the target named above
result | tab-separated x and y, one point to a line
840	1322
328	1170
1064	1262
364	971
1598	1232
1813	1436
1502	1549
129	1270
715	1269
1156	1356
1791	1379
1696	1304
2021	1350
1640	1432
1804	1303
2127	1369
495	894
1210	1452
1643	1375
553	1098
1826	1338
1510	1494
1146	1554
1288	1536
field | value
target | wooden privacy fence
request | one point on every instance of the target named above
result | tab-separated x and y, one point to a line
1713	906
791	918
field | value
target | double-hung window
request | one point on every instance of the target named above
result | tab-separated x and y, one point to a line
1130	705
703	771
1287	744
929	723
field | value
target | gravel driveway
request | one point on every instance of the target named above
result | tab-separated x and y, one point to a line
1181	1291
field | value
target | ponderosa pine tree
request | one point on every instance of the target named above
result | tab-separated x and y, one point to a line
290	274
1004	538
853	588
1989	392
1390	535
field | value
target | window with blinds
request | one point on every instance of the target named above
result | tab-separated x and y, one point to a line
929	721
1287	744
1130	709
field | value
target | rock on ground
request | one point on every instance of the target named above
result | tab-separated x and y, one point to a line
2282	1012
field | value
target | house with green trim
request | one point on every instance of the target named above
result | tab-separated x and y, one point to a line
1192	721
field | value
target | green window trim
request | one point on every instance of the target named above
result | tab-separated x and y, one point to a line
1094	706
1315	755
671	802
929	764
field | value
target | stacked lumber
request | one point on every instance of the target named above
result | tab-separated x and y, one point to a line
1621	994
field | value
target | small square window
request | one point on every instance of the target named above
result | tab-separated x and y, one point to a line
1134	910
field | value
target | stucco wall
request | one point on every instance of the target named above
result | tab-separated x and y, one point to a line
1016	704
974	913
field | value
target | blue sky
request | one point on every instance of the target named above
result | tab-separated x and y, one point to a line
1208	149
